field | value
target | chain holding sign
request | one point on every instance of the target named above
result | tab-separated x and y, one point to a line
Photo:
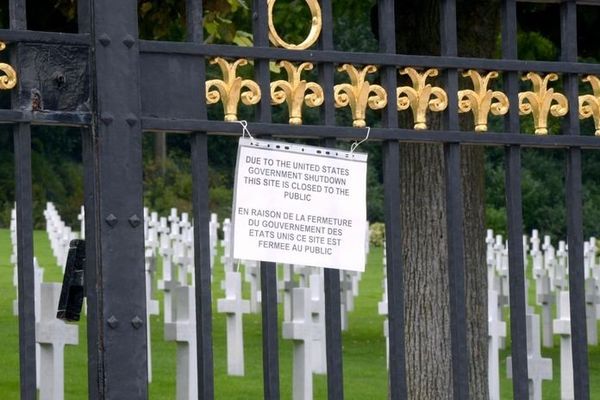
300	204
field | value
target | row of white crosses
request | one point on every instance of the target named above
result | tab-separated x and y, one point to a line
51	334
550	272
171	238
59	234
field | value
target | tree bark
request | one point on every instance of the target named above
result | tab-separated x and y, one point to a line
424	232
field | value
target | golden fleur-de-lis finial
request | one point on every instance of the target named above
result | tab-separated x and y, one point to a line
294	91
421	96
480	100
357	94
539	101
589	104
229	89
9	80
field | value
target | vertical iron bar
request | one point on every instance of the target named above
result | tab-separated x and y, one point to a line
391	184
24	200
120	306
333	327
17	14
24	207
201	214
268	270
92	273
456	271
395	271
454	214
518	325
574	204
83	16
333	318
268	280
326	69
202	265
516	273
90	210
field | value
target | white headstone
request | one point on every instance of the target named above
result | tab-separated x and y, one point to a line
496	331
562	327
545	298
52	335
168	283
288	285
234	307
319	346
81	218
592	298
489	240
538	368
301	332
183	331
252	276
561	281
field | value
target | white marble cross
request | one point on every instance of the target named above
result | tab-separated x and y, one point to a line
525	250
227	258
549	258
168	284
536	254
562	327
545	298
288	284
234	307
319	346
213	237
496	331
183	331
152	305
300	330
382	309
560	269
252	276
81	218
592	299
52	335
538	368
489	240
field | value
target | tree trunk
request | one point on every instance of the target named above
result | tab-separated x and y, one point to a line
424	233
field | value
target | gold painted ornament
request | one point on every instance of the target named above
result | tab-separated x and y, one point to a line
480	100
589	104
9	80
296	91
229	89
539	102
316	25
421	96
357	94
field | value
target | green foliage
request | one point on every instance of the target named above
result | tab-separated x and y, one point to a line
534	46
227	21
377	234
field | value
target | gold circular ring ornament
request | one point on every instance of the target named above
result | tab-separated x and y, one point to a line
313	35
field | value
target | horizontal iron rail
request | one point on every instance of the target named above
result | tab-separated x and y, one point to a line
349	133
342	57
63	118
24	36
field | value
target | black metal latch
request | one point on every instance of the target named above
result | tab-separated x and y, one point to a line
72	293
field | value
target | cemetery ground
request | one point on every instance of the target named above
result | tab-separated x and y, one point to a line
365	375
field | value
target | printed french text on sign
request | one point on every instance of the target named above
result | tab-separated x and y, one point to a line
300	205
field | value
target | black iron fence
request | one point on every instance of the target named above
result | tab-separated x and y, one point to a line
137	85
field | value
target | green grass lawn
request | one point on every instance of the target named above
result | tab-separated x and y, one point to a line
365	375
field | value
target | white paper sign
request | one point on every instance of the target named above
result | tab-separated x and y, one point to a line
300	204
